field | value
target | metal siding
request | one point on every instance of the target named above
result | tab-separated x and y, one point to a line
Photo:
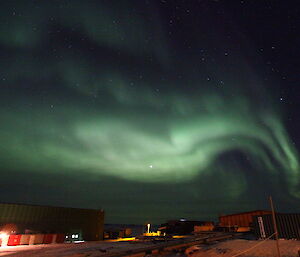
244	220
250	218
221	219
289	229
233	220
288	225
239	220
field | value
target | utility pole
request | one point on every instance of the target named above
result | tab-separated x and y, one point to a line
275	226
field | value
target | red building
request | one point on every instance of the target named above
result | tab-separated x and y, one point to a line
243	219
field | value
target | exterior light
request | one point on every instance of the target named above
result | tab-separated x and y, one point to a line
148	228
2	235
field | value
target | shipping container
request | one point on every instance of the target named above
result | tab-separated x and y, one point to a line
54	239
288	225
24	239
48	238
36	239
14	240
60	238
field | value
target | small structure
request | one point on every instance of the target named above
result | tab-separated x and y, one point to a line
240	222
205	227
181	227
115	233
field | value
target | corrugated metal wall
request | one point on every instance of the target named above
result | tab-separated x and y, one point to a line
240	219
53	219
288	225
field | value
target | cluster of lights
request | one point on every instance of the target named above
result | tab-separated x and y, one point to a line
73	236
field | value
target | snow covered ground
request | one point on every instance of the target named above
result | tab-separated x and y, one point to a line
230	248
90	249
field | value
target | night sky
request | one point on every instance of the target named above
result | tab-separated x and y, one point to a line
151	110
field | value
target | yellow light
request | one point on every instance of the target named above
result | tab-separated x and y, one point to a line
121	239
152	234
180	236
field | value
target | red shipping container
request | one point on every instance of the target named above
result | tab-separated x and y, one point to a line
36	239
24	239
48	238
60	238
14	240
54	239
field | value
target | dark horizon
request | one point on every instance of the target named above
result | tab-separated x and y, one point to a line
150	110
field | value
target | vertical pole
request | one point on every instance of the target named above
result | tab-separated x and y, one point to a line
275	226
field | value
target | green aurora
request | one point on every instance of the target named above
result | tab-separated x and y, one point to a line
122	109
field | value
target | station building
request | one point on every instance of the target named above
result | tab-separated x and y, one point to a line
80	224
242	221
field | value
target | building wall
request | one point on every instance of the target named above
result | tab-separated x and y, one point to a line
203	228
288	225
244	219
49	219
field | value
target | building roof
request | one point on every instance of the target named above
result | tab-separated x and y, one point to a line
51	206
248	212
